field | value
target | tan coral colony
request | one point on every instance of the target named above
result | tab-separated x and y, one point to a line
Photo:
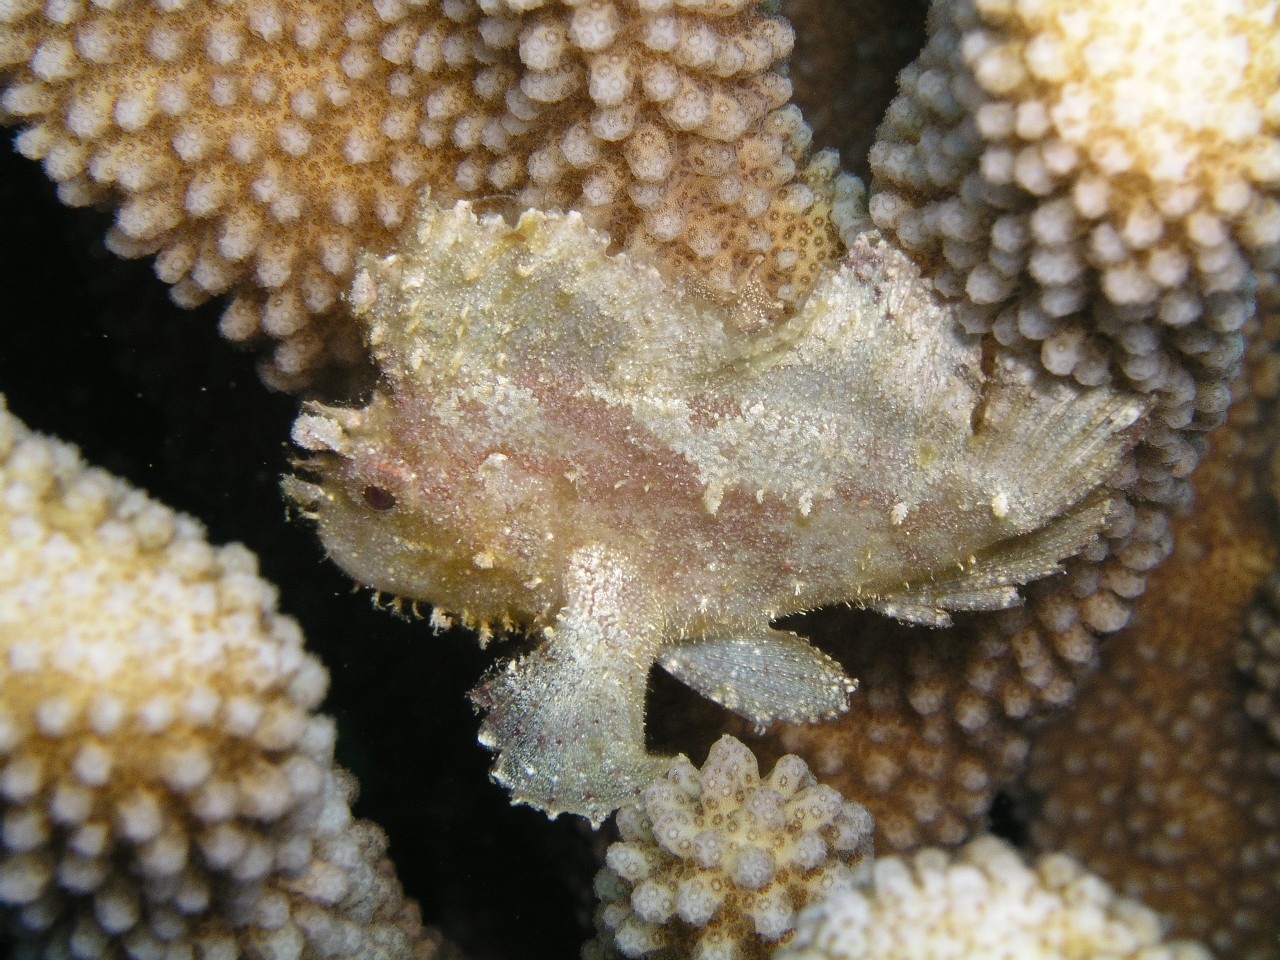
166	786
254	147
1122	244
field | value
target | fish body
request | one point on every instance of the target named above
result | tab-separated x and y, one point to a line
565	440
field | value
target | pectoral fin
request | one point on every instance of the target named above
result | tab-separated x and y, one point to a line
567	721
1053	441
766	677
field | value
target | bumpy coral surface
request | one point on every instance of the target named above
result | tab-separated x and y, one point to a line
253	147
166	788
1258	657
717	862
1096	179
1158	780
670	130
1096	184
561	436
928	740
981	901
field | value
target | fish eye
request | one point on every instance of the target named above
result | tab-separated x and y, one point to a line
378	498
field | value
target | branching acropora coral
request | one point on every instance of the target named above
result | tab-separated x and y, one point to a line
166	787
981	901
254	147
718	861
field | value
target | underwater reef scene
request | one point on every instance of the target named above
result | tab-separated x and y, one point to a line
900	379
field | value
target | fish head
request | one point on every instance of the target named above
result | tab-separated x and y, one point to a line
404	509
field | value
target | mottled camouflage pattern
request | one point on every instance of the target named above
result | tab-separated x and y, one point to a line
563	439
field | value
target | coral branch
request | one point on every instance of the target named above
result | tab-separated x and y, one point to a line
1158	780
718	861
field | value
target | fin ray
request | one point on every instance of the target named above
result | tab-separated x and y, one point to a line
992	582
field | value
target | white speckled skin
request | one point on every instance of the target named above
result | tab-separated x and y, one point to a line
563	439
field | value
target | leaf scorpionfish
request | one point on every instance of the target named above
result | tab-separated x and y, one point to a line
564	440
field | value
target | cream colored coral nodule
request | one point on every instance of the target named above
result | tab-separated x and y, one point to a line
718	861
562	439
982	902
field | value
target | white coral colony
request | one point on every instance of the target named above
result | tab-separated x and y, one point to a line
563	439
